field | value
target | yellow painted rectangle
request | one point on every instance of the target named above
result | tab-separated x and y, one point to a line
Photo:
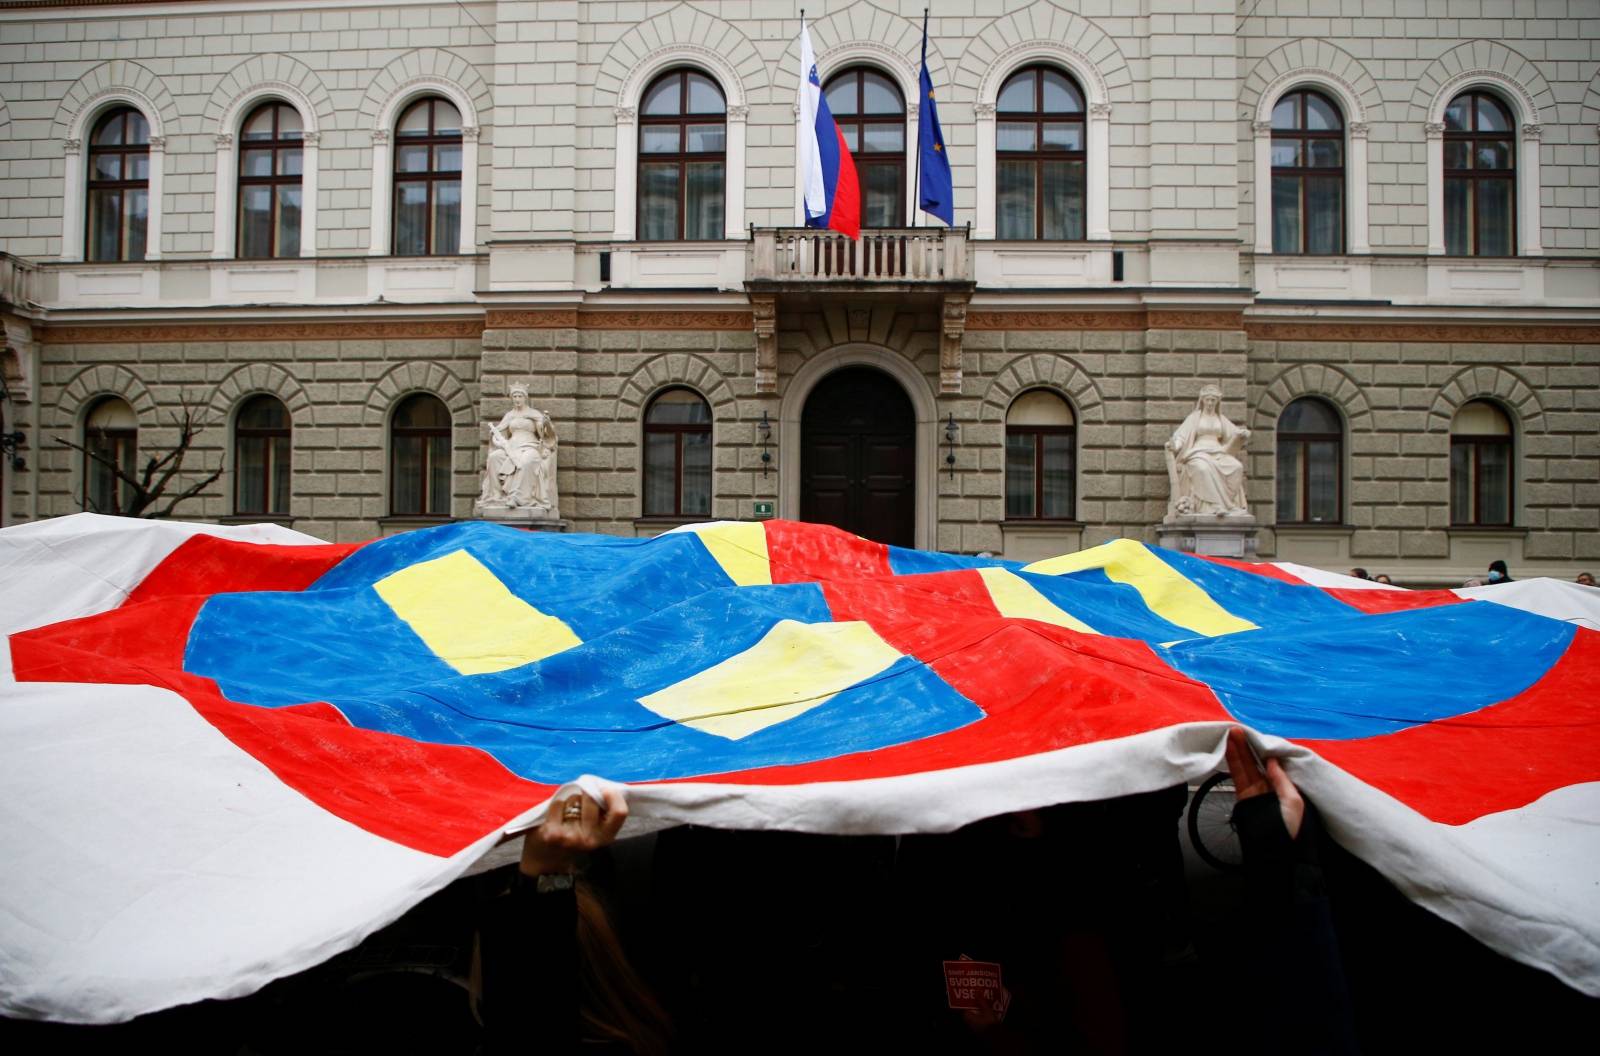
1164	590
468	618
740	547
1017	598
793	668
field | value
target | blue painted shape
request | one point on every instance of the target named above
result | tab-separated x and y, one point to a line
578	708
1264	601
1111	608
904	562
1378	674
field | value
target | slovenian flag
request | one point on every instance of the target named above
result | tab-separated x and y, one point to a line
826	169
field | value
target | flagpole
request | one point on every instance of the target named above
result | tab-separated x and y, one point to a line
916	180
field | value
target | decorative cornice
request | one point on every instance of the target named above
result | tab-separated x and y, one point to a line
470	133
612	319
346	330
311	139
1100	110
1048	320
1466	78
71	146
1193	319
380	136
158	143
738	112
1084	69
1262	128
1434	129
1357	129
1465	333
625	115
983	110
1316	76
1531	131
224	140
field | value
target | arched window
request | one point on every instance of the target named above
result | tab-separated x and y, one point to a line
1040	465
270	162
677	455
872	116
1480	465
1310	457
419	457
261	457
1480	158
1039	156
111	438
683	129
427	179
1307	174
119	186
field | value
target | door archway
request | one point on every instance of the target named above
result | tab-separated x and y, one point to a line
858	456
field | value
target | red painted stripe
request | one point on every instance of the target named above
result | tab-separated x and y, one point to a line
1259	568
1379	601
809	553
205	564
1499	758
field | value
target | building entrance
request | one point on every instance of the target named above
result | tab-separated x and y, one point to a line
858	456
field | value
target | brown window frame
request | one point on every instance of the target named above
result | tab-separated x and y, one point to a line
679	431
1305	135
276	145
431	177
425	433
1303	440
243	433
1039	117
682	157
1474	176
861	120
124	150
1477	442
1039	432
113	438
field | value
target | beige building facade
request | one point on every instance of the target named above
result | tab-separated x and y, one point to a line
343	230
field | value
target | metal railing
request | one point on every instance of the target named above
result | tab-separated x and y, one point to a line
881	255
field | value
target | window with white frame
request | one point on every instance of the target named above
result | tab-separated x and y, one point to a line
271	163
118	186
1307	174
1480	179
683	147
1041	152
427	179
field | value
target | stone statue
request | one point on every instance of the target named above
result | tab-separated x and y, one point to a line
1203	461
521	471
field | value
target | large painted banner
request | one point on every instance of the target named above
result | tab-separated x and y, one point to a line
226	754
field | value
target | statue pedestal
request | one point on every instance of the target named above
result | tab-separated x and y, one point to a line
526	519
1210	535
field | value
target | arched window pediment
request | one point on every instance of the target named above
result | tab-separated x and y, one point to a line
683	153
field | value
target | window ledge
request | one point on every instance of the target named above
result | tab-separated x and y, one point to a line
413	520
1487	529
282	520
669	522
1039	524
1312	527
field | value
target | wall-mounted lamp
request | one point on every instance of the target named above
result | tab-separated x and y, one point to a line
9	442
950	430
765	426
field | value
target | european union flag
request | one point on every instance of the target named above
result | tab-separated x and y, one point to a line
935	189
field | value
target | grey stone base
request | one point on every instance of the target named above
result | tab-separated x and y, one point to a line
1210	536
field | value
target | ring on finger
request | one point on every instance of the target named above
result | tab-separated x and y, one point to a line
572	811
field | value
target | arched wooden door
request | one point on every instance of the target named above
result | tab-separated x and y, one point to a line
858	456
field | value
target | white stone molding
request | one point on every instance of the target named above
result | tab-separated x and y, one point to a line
383	170
1355	116
225	216
1525	114
75	196
901	70
1097	132
916	388
624	224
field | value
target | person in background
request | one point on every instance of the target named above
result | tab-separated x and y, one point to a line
1384	579
1585	579
1359	573
551	975
1498	572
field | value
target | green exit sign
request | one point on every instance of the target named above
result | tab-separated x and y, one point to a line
763	509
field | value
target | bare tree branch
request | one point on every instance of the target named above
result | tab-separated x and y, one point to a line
148	489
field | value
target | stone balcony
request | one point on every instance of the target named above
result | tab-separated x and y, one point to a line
886	259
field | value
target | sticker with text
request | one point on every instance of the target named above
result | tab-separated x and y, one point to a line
974	986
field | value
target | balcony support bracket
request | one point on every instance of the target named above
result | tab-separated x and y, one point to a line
952	326
764	309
